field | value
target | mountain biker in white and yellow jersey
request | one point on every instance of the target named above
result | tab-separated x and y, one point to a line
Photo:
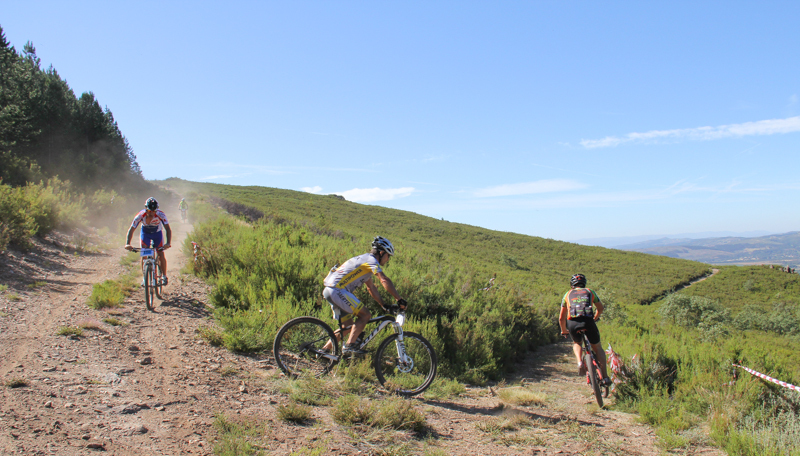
342	281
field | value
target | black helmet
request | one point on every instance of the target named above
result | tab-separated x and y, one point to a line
383	244
151	204
578	280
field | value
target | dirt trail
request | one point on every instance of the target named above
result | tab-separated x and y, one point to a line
152	387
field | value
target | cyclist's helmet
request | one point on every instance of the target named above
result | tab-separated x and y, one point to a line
578	280
383	245
151	204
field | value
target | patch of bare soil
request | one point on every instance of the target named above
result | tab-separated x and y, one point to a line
152	387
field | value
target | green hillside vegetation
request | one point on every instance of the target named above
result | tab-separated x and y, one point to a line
687	344
267	264
270	268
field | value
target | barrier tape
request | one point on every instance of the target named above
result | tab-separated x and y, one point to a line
768	378
615	363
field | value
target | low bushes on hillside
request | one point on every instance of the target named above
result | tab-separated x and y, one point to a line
267	273
36	209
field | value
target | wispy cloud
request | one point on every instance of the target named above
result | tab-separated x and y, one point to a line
527	188
314	189
761	127
368	195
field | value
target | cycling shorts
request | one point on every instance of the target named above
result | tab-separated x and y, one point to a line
157	238
575	324
342	301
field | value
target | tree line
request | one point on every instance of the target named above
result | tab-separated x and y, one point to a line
46	130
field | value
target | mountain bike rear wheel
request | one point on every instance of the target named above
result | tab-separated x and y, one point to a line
298	347
593	378
405	377
149	290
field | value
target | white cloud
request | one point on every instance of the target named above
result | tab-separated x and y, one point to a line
314	189
368	195
761	127
526	188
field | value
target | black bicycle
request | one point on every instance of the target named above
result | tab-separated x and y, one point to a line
404	362
592	369
152	274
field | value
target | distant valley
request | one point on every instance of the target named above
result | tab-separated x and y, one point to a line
783	249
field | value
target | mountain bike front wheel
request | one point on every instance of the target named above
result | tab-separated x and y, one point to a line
406	368
157	281
593	378
149	289
299	347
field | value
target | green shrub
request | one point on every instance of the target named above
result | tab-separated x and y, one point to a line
392	413
294	413
210	335
17	383
310	390
236	438
37	209
113	321
107	294
70	331
522	396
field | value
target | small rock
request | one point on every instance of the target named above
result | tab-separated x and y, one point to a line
242	389
49	369
48	404
86	436
146	360
133	348
138	430
69	405
96	446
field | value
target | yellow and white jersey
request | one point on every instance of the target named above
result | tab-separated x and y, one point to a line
354	272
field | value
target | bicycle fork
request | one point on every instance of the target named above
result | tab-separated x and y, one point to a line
404	362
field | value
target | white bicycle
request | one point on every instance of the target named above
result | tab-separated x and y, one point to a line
152	275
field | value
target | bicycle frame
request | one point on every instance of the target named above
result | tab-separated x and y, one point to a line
385	320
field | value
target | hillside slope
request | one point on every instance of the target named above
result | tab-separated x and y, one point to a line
151	386
541	267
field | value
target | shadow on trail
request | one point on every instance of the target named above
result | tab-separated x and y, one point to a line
185	306
502	409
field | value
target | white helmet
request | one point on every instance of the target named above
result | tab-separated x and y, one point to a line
383	244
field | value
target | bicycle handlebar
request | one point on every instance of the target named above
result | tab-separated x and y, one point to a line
138	249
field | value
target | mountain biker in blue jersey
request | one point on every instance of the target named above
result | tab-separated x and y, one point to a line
343	280
152	219
578	312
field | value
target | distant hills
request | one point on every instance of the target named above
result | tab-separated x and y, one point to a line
781	249
624	242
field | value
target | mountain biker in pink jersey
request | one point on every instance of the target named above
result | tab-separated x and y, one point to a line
152	219
342	281
577	312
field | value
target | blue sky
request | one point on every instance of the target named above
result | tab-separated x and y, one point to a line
566	120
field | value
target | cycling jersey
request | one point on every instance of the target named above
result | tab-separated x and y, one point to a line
354	272
580	302
183	206
151	224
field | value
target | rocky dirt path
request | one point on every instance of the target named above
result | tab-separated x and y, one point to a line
152	387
